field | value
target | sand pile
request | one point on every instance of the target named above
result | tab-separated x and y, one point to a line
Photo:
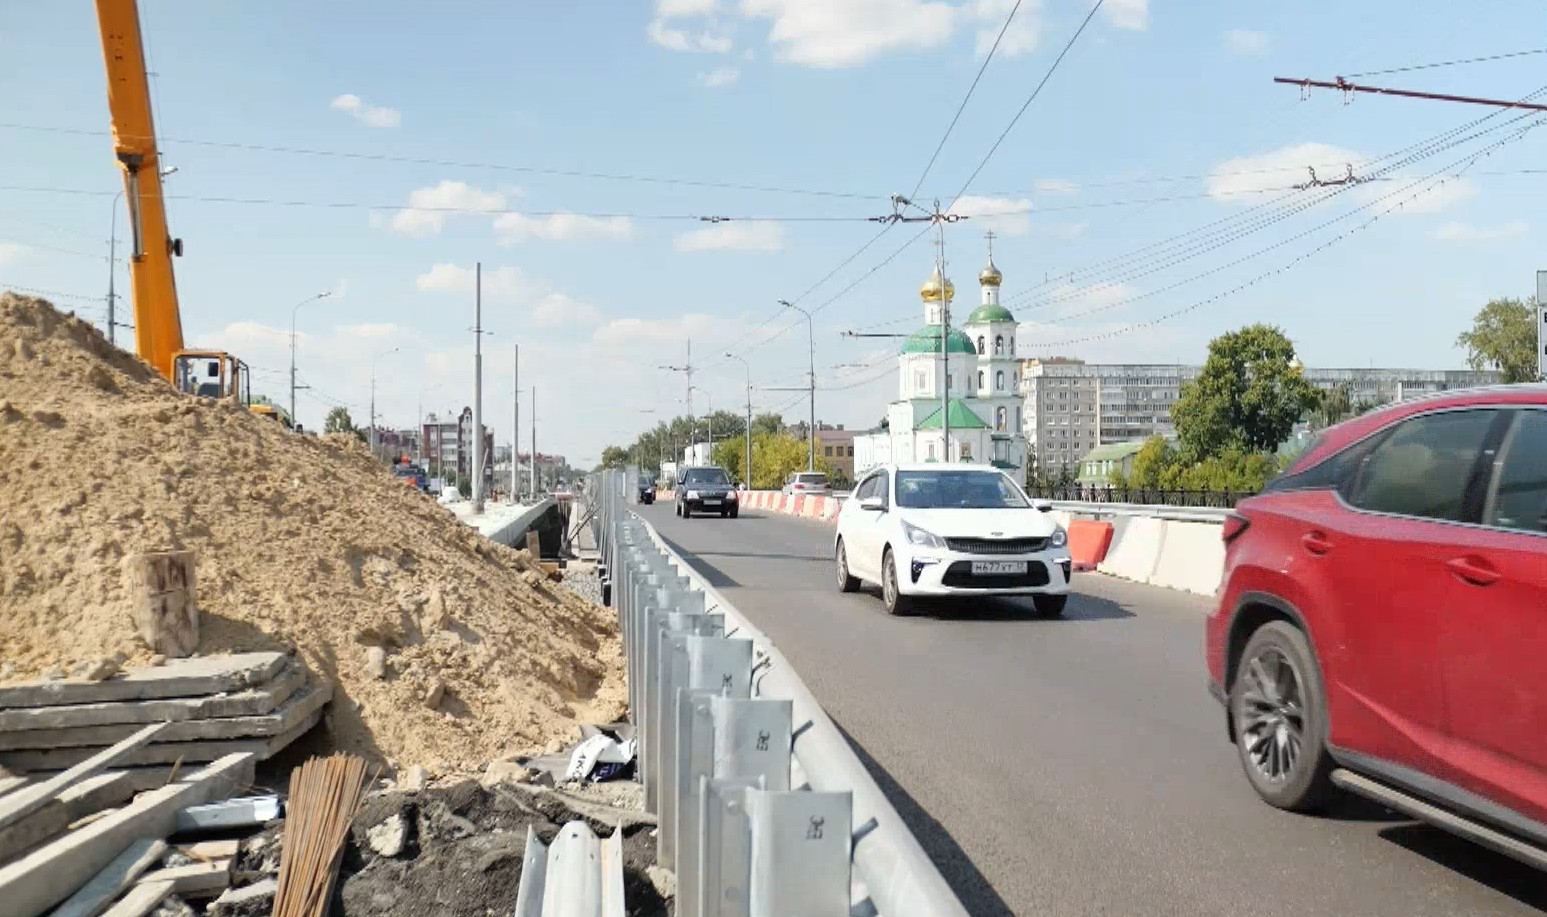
300	541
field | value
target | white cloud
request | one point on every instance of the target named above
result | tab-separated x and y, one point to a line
558	309
1466	232
428	207
248	338
629	333
753	236
719	77
680	40
1056	186
667	9
1010	216
1133	15
1429	197
514	228
823	33
374	331
1023	34
1064	230
1067	297
1280	168
369	115
502	283
1247	42
12	252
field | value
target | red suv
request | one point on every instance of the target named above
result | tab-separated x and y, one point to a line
1382	621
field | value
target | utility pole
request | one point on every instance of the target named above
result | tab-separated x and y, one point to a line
939	220
534	442
478	387
746	470
112	298
293	312
515	427
810	382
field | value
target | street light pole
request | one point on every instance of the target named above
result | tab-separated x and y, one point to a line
811	353
746	470
112	272
293	312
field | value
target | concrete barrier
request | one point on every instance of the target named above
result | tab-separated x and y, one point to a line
1137	552
1192	558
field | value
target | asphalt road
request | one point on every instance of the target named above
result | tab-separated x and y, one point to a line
1075	766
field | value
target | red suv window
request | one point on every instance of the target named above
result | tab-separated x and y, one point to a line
1426	467
1519	496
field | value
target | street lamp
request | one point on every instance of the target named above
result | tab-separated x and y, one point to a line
746	471
709	401
811	353
112	259
292	345
374	361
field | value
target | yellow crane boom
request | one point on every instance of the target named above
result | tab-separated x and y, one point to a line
158	328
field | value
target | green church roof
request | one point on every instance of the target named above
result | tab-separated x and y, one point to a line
927	340
962	418
985	314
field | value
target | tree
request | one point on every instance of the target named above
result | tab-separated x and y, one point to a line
1151	467
1248	397
1337	405
338	421
614	457
1503	337
767	423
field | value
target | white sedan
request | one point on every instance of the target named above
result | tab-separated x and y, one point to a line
950	530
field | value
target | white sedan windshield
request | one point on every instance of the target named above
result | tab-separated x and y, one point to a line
957	490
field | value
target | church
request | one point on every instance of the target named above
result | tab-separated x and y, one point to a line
979	376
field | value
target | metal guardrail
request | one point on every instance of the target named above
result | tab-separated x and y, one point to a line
579	875
1155	511
1139	496
764	809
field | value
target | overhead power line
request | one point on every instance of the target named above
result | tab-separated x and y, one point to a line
1344	85
457	164
1448	63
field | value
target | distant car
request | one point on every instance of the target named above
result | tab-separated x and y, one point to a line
950	530
707	489
808	482
1383	604
646	490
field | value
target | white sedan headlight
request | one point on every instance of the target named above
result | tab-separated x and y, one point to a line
920	537
1059	538
692	495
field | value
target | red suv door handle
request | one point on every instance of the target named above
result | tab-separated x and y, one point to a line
1316	542
1474	571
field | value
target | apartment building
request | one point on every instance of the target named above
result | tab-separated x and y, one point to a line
1071	406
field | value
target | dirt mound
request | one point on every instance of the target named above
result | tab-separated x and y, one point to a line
300	541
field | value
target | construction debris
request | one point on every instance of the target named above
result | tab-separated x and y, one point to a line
324	794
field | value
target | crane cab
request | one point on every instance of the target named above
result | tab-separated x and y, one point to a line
211	374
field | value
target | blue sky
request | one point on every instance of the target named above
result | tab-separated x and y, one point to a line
475	106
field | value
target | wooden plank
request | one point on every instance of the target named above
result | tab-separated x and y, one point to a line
25	801
168	752
92	898
255	701
91	795
46	876
198	880
141	900
210	850
311	697
177	678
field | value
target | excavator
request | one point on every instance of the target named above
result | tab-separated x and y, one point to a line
158	327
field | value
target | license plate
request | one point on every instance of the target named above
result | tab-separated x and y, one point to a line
998	567
711	501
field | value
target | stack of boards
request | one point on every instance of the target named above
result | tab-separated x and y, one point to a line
211	706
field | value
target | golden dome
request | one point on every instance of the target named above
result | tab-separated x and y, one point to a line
930	291
990	277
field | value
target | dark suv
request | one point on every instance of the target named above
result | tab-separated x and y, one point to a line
1381	625
646	488
706	490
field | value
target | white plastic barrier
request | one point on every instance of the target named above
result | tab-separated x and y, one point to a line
1192	557
1137	551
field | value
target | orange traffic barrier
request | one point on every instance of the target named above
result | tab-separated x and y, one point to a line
1088	542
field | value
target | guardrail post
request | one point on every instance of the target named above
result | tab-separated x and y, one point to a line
664	673
720	666
802	834
725	855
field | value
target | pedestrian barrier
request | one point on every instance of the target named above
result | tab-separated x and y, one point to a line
764	809
1192	557
1178	547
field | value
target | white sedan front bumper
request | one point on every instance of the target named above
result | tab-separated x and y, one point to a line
943	572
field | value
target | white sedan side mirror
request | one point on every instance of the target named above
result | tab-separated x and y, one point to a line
1044	506
872	503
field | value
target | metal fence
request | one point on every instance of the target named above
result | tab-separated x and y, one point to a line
764	810
1135	496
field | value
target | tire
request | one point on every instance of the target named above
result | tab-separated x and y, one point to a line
677	508
725	514
735	511
846	582
1280	714
687	511
896	603
1050	606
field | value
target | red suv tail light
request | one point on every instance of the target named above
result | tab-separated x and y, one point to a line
1235	525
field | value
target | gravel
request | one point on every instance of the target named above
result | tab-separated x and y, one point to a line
580	578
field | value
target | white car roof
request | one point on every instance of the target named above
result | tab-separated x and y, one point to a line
939	466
